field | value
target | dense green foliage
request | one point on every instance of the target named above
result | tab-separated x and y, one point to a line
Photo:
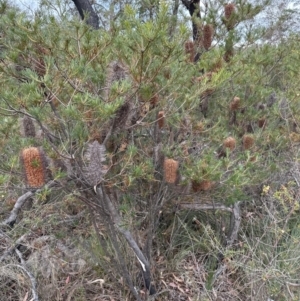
62	74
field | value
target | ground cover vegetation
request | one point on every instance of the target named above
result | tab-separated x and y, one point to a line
149	151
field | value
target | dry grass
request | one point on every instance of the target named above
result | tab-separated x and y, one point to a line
190	260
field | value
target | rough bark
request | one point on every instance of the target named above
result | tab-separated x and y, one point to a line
193	6
194	10
87	12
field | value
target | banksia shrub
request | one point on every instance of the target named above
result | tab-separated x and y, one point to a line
35	166
27	127
208	32
248	141
229	18
170	170
189	50
230	143
235	104
161	119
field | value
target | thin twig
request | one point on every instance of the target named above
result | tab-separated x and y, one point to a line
35	296
199	206
18	205
236	214
119	225
13	247
21	201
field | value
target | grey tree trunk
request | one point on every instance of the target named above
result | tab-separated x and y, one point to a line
87	12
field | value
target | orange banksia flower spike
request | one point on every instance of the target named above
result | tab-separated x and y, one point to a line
170	170
230	143
248	141
35	166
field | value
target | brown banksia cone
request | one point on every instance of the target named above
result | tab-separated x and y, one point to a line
229	9
116	72
95	157
35	166
170	170
248	141
230	143
204	185
161	119
262	122
154	100
190	50
208	32
228	55
27	127
122	116
235	104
